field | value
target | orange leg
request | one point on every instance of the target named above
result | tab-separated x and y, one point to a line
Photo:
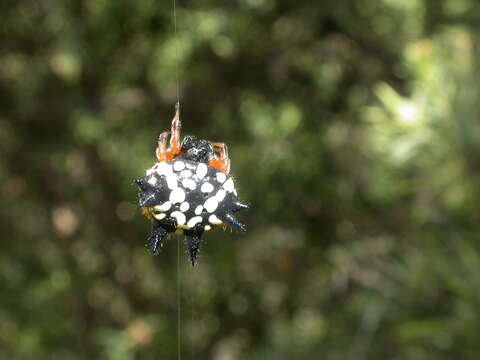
176	127
221	161
163	152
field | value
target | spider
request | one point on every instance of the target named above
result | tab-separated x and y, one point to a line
188	190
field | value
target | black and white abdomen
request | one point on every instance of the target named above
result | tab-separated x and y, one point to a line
186	195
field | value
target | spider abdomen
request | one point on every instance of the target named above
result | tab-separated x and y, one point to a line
189	195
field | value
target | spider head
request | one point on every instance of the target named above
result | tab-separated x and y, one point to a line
197	150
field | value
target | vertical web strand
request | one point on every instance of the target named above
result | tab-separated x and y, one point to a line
192	297
176	50
179	304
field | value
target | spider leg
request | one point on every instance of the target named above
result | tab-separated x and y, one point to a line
175	144
221	161
158	234
162	149
193	239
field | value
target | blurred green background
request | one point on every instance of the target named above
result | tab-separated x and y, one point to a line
354	133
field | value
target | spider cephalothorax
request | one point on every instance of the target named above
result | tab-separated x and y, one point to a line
188	189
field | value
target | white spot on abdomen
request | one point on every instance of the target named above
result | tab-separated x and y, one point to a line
211	204
152	181
221	177
206	188
159	216
194	221
178	165
198	209
201	171
189	184
184	206
164	169
229	186
172	182
164	207
208	228
177	196
220	195
179	216
186	173
214	220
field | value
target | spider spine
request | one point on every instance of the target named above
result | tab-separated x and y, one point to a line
232	220
158	234
193	239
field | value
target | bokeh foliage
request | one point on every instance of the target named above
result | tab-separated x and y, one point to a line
354	133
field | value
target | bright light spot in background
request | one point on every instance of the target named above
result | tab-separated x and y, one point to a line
65	221
409	112
66	65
